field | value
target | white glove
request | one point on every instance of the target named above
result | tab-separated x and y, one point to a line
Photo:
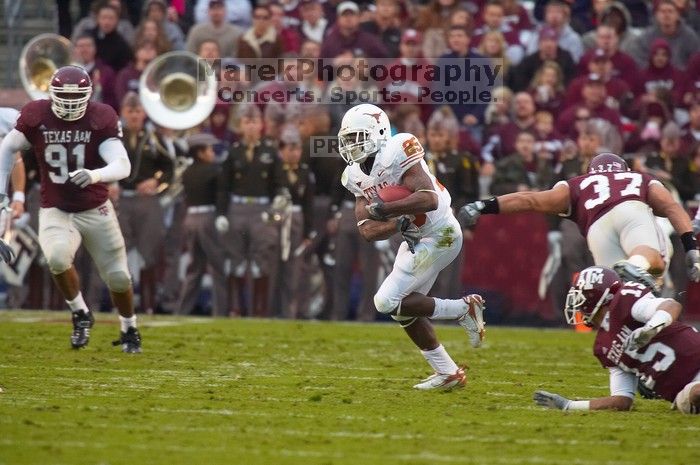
470	213
550	400
83	178
639	338
221	224
692	263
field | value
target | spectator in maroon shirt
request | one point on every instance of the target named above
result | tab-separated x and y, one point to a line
618	91
646	137
101	74
410	63
623	65
594	98
661	75
347	36
516	16
547	87
128	78
291	40
385	25
548	142
501	141
493	19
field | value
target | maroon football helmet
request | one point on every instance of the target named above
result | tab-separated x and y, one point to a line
70	91
607	162
592	288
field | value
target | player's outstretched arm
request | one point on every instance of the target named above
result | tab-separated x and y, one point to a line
372	230
555	401
422	200
553	201
663	204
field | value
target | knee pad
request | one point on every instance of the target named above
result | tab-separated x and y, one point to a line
385	304
59	258
118	281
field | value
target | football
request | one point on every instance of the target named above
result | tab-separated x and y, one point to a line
398	192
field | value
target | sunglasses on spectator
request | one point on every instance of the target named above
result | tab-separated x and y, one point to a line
582	117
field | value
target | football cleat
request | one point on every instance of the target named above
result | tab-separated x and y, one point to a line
473	320
442	382
130	341
82	322
629	272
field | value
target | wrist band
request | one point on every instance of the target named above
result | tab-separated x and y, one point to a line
18	196
579	405
490	206
689	241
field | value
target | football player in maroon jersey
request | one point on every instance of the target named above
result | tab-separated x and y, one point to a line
614	209
638	341
78	149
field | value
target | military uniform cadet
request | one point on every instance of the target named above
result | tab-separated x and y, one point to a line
300	182
459	173
249	178
350	248
140	211
202	240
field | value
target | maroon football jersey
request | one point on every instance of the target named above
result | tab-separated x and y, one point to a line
670	360
61	147
592	195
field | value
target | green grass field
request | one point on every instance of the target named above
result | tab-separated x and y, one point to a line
279	392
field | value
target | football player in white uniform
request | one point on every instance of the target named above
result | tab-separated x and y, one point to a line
376	160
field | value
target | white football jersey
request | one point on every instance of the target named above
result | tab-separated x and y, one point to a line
400	152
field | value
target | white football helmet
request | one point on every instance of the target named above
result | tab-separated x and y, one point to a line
363	131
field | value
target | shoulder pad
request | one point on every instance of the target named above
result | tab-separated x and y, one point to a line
101	115
345	177
33	113
393	147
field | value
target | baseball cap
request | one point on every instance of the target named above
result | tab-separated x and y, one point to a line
594	78
347	6
599	55
411	35
201	139
213	3
548	33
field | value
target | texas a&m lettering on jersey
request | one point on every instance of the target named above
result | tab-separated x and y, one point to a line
666	364
61	147
593	195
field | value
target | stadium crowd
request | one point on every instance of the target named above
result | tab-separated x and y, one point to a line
580	77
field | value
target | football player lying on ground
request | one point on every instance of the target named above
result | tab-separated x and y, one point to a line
638	340
613	209
78	149
432	236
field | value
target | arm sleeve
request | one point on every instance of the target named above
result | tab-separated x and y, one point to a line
645	307
11	143
114	154
622	383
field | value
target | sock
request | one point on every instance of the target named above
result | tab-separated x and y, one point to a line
639	261
127	323
78	304
440	360
449	309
